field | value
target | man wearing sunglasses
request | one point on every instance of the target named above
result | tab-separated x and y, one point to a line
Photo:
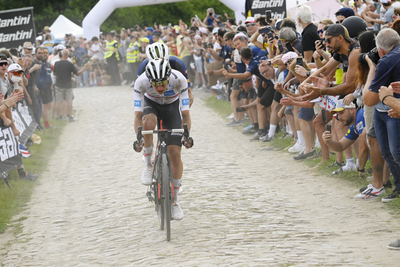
343	13
345	51
162	93
251	25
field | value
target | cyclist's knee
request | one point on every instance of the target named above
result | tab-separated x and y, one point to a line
174	153
149	122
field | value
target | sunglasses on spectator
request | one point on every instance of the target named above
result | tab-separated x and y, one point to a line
3	63
250	24
28	48
328	40
46	53
320	31
19	74
158	83
339	21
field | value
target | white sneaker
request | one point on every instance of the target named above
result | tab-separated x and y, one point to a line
147	174
349	167
180	190
230	117
297	148
370	193
177	212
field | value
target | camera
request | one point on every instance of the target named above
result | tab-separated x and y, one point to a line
373	55
210	14
240	109
267	30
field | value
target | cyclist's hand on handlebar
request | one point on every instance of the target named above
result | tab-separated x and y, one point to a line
187	142
138	146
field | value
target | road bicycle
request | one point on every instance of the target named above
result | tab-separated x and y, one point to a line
161	191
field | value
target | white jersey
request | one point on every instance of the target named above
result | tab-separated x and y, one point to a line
177	88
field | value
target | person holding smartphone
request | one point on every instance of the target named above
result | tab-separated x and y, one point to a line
210	17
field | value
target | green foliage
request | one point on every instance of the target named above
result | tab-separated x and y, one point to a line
46	12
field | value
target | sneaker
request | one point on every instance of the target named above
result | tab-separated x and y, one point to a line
180	190
336	164
71	119
346	168
266	138
392	196
204	87
394	244
297	148
250	130
177	212
147	173
234	123
230	117
132	84
388	185
29	176
301	155
255	137
124	82
370	193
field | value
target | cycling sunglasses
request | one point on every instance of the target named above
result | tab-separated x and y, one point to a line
19	74
3	63
320	31
159	83
250	24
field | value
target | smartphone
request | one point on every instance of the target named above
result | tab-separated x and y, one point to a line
239	109
197	17
299	62
329	128
289	47
323	47
268	14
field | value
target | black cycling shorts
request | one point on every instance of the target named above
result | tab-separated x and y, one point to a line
169	114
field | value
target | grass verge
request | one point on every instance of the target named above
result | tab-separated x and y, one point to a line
13	200
223	108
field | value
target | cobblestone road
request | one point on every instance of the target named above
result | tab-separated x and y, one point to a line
244	205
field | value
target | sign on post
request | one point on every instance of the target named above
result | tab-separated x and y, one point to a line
16	27
256	8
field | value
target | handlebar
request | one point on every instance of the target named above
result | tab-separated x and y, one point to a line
186	140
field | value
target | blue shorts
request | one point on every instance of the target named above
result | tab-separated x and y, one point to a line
306	114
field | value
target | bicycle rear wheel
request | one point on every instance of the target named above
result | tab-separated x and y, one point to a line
166	185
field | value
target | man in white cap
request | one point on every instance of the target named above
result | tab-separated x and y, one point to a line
251	25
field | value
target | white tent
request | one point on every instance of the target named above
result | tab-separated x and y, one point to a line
62	25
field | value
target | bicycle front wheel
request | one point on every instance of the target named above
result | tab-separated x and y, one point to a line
166	185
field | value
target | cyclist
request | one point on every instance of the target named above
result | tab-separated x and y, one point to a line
160	50
162	93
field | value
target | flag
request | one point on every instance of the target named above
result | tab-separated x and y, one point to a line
24	152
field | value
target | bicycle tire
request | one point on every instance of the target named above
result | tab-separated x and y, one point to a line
166	186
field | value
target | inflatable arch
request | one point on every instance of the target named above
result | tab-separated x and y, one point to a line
103	9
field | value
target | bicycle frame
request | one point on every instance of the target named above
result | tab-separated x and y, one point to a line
162	186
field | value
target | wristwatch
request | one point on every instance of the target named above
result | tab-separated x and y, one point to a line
308	73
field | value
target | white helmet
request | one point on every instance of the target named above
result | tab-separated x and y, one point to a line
158	70
157	50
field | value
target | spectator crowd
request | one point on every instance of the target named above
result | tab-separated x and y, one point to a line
333	85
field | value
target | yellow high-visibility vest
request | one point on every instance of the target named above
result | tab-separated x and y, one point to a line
110	45
132	57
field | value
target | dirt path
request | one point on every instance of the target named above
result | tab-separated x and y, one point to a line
244	205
